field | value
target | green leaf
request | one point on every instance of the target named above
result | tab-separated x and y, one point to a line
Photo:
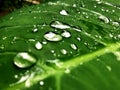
61	45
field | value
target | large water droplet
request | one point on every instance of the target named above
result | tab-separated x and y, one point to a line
24	60
63	12
52	37
66	34
38	45
59	25
103	18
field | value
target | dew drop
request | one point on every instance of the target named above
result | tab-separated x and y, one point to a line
38	45
103	18
109	68
52	37
63	51
35	30
63	12
41	83
73	46
66	34
59	25
24	60
115	24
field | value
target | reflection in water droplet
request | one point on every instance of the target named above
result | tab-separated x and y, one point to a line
24	60
59	25
109	68
52	37
41	83
63	51
63	12
38	45
73	46
66	34
103	18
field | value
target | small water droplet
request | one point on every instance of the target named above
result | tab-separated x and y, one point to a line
41	83
24	60
35	30
66	34
59	25
74	5
63	51
78	38
115	24
52	51
38	45
109	68
16	76
52	37
11	18
103	18
73	46
4	38
44	42
63	12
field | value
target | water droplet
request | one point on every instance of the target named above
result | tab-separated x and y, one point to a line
44	42
66	34
115	24
63	51
73	46
11	18
41	83
35	30
78	38
74	5
59	25
24	60
109	68
4	38
63	12
52	37
103	18
16	76
38	45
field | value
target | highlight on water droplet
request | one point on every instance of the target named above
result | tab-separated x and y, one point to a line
24	60
50	36
38	45
63	12
59	25
41	83
66	34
